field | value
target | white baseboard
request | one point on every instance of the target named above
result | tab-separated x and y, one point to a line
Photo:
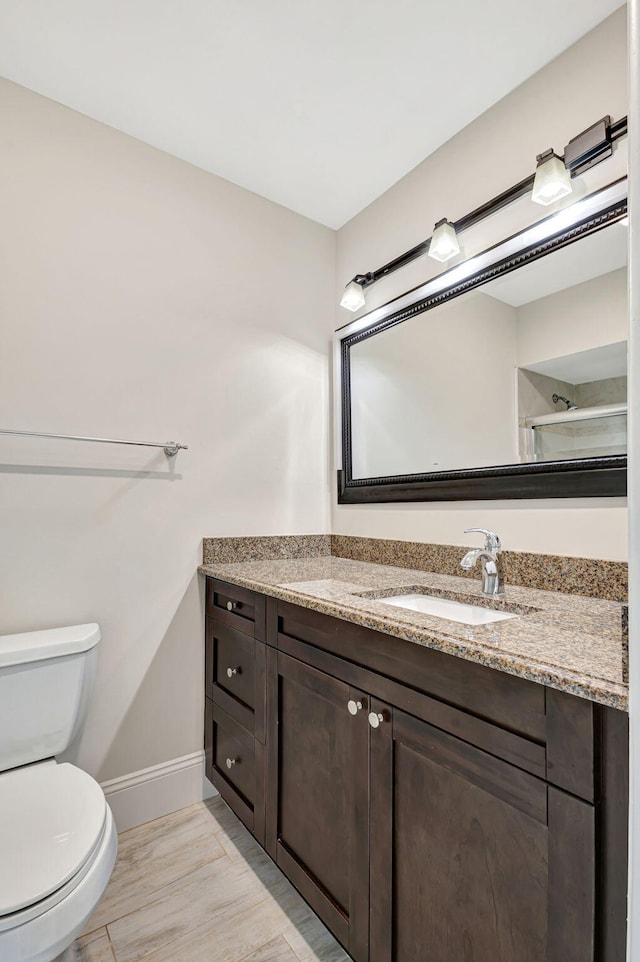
142	796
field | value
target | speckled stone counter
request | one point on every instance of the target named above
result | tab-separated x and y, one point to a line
568	642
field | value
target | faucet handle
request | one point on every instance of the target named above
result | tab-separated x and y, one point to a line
492	541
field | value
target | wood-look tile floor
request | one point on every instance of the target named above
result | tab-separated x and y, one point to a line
196	887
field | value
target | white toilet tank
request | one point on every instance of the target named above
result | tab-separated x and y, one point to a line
45	683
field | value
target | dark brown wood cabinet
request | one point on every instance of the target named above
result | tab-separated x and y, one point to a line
317	794
474	858
234	731
428	809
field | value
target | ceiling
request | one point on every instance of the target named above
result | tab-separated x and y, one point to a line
319	106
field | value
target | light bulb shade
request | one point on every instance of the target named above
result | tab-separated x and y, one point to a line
552	180
353	297
444	243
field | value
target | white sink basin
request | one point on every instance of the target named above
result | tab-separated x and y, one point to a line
451	610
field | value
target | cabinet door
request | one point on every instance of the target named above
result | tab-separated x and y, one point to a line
317	806
472	859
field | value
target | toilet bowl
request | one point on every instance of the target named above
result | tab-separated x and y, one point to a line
58	839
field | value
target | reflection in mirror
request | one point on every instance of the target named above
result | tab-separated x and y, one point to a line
531	366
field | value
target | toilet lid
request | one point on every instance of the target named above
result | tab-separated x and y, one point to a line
51	821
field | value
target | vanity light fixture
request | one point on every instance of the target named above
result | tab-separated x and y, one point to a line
552	180
444	242
353	297
585	150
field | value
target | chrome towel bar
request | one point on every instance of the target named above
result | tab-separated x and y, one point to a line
170	448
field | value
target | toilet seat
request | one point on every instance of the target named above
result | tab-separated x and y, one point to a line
45	936
52	824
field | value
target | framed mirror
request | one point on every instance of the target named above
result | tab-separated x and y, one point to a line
503	377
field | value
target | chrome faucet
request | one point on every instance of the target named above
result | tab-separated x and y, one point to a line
492	569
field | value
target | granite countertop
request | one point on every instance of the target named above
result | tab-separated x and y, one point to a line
568	642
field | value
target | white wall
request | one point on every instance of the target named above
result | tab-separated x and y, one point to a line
410	415
574	320
586	82
143	298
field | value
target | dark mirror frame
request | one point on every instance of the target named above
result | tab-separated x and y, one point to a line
580	478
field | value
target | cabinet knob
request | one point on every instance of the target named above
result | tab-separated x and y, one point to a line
233	671
354	706
376	719
231	762
232	605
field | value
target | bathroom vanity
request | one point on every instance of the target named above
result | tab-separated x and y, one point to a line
434	790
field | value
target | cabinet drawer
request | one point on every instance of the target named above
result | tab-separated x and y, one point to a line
234	664
501	699
512	748
233	756
240	783
237	607
235	675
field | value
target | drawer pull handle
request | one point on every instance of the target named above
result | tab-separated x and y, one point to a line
232	605
231	762
354	706
233	671
376	718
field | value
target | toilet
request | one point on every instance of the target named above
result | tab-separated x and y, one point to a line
58	839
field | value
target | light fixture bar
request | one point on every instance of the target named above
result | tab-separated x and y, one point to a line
492	206
464	223
619	128
616	129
